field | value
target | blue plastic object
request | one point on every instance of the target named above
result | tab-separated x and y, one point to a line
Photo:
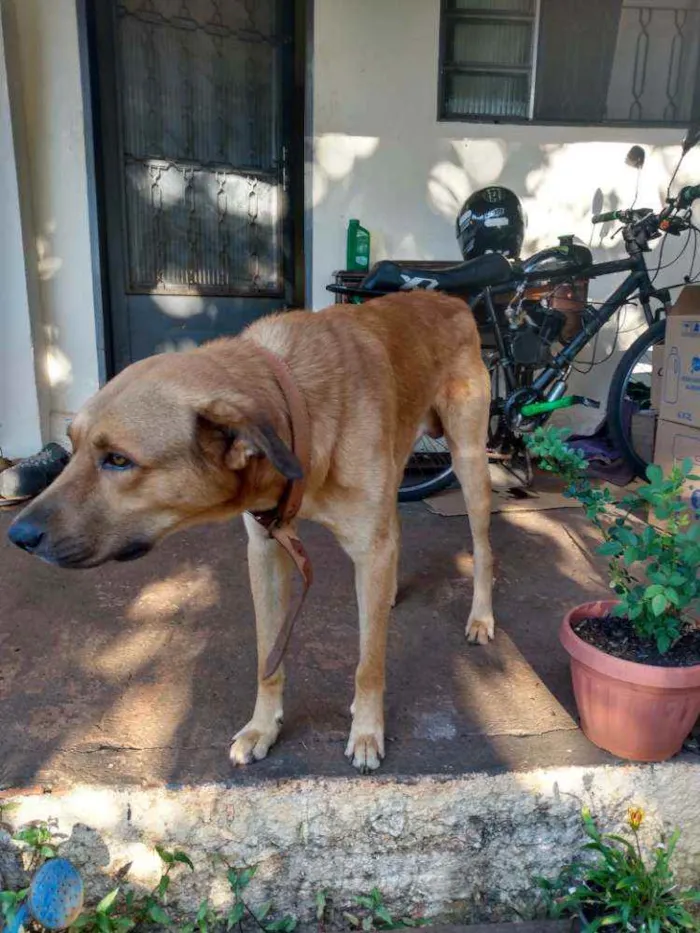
55	897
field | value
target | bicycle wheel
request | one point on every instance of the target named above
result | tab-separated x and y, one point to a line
630	392
429	469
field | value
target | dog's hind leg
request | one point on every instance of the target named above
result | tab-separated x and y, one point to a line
463	404
270	574
375	555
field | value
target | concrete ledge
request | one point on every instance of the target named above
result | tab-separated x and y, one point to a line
461	848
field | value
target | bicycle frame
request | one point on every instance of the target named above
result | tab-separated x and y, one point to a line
591	322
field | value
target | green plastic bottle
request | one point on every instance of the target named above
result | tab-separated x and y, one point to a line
357	247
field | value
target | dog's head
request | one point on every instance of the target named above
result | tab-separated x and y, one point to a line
168	443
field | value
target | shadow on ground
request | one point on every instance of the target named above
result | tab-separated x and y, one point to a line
142	672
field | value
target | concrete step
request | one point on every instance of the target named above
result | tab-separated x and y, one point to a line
463	848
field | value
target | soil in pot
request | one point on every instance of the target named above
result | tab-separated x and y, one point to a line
616	636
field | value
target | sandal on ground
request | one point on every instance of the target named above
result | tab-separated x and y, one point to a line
27	478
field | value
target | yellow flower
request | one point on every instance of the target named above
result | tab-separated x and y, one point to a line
635	816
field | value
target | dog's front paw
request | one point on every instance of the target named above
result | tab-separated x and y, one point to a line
480	631
252	744
365	750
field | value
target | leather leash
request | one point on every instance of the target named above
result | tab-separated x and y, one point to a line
278	521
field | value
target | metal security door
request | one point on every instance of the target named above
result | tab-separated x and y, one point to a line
193	103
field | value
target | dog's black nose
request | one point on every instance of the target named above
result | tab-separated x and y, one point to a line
25	534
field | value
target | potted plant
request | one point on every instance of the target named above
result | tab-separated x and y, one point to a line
635	660
617	889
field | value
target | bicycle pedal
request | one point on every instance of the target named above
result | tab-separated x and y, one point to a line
585	401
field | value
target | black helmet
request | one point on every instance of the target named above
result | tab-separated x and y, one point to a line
491	221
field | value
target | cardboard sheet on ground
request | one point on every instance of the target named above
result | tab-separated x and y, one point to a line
508	495
502	500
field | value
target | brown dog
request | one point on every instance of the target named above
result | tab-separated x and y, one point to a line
181	439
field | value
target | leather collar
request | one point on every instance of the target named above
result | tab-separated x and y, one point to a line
278	521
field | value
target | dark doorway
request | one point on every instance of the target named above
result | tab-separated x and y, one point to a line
199	143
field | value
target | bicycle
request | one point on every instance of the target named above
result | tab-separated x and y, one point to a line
523	310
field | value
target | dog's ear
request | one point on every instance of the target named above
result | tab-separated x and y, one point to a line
238	440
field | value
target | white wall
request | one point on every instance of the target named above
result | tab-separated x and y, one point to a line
20	425
381	155
52	107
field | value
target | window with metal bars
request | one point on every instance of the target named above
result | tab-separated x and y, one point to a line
617	62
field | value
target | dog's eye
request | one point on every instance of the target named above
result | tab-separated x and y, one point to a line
115	461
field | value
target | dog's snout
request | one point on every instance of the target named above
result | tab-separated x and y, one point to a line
26	533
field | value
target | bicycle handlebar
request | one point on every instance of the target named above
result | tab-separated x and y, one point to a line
687	195
625	217
685	198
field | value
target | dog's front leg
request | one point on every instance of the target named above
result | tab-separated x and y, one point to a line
270	573
375	582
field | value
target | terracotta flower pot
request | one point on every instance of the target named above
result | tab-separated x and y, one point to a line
635	711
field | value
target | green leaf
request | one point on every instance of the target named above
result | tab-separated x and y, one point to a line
663	642
107	902
381	913
184	858
671	846
627	536
654	475
123	924
104	923
235	915
363	900
658	604
158	915
240	878
610	548
163	885
321	901
165	856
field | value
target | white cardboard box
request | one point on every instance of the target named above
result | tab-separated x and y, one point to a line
680	395
658	354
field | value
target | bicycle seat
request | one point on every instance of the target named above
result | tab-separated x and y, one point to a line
387	276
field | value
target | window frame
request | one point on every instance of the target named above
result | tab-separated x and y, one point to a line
447	15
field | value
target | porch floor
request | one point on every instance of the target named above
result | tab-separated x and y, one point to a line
140	673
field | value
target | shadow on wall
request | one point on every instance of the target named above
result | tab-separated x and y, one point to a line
409	197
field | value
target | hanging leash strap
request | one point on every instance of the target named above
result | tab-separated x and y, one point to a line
278	521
